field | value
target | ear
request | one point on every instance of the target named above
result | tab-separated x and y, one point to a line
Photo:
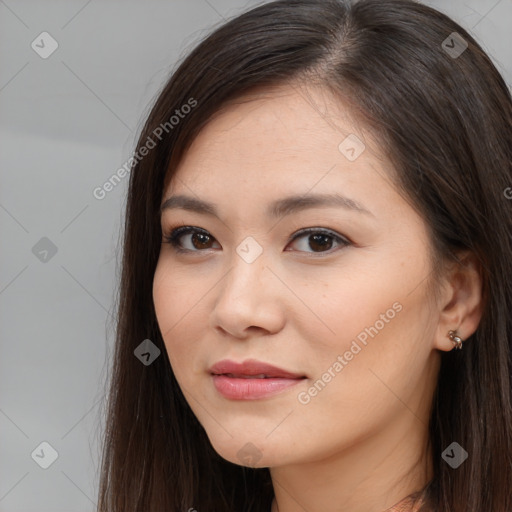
461	302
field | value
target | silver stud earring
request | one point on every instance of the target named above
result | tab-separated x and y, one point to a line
457	342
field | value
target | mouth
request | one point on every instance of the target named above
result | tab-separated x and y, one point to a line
252	369
252	379
244	376
252	387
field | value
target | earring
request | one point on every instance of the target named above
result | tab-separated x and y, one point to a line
457	342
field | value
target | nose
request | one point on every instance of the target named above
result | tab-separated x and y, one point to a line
249	299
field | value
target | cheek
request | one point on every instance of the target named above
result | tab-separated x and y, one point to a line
174	295
366	321
171	304
367	336
181	311
347	304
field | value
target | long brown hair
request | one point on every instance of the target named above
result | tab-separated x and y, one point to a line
443	115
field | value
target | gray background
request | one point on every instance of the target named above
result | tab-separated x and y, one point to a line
67	124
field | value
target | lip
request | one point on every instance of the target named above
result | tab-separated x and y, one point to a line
244	381
251	367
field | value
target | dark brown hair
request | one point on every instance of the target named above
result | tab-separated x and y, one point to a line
444	121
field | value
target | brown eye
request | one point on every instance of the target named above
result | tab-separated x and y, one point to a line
195	239
315	240
319	240
200	240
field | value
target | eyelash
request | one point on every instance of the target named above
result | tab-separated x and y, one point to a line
175	234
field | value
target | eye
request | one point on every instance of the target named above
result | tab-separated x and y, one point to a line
196	239
319	239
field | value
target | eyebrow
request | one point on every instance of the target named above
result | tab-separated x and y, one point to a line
279	208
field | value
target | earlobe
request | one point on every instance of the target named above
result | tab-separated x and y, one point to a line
462	306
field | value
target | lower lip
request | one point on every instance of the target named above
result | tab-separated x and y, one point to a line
251	389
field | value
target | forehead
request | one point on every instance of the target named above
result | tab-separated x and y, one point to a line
275	128
288	117
279	141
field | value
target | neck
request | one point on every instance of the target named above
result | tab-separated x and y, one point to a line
371	475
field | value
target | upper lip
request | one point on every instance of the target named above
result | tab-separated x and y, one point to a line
251	367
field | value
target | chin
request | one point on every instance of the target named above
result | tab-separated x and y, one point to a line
253	454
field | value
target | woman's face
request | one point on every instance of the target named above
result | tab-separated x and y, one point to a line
344	307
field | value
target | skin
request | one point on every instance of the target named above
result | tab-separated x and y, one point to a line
360	443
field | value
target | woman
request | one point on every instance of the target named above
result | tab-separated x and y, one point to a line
316	273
